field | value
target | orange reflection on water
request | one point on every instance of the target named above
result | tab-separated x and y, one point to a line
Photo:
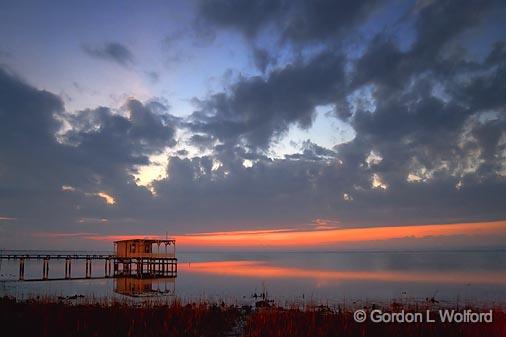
260	269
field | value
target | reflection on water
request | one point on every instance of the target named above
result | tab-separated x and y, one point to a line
477	277
139	287
262	270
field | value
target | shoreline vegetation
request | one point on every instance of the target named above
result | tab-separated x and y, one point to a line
56	317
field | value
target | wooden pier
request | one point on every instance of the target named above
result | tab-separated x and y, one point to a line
132	258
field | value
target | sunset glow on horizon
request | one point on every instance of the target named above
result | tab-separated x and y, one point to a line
304	238
315	238
320	125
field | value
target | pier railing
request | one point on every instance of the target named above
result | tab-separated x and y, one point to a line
140	265
148	255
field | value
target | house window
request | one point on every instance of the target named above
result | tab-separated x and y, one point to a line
146	249
132	248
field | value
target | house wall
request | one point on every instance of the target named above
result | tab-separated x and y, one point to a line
133	249
121	249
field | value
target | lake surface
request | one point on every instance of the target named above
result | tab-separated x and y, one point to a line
288	277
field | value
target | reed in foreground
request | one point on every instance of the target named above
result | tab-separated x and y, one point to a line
322	322
36	318
59	318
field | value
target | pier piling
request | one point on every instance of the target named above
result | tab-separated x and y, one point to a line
132	258
45	268
22	268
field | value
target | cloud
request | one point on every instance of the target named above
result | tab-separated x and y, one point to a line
429	124
247	16
96	156
317	21
262	59
437	26
429	115
298	22
312	151
111	51
257	110
153	76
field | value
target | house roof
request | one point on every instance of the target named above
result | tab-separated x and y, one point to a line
167	241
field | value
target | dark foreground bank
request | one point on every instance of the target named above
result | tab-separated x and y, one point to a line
60	318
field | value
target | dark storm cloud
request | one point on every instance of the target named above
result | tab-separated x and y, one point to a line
312	151
298	189
487	89
262	59
202	141
279	192
247	16
437	25
258	110
298	21
47	181
440	22
122	140
429	120
111	51
324	19
438	118
430	147
445	93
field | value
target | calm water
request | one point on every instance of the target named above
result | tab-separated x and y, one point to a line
463	277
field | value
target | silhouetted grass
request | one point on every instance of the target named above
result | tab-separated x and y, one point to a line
49	317
37	318
323	322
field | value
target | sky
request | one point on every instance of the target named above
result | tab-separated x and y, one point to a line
253	124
